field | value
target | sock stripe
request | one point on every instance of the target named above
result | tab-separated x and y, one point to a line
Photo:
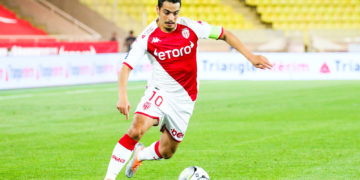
128	142
157	149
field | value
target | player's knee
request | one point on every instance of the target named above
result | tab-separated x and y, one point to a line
168	153
135	133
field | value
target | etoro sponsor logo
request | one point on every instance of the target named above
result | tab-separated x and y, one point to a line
169	54
176	134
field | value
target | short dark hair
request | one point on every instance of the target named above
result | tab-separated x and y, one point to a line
160	2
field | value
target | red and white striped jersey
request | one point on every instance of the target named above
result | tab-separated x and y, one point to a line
173	55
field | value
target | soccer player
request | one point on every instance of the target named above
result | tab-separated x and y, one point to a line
170	42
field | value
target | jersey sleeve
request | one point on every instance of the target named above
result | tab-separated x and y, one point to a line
204	30
137	52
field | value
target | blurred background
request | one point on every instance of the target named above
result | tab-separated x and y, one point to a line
263	25
257	129
292	31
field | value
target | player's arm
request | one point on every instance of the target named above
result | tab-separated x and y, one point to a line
133	57
123	104
258	61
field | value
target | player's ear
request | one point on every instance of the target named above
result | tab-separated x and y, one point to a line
158	10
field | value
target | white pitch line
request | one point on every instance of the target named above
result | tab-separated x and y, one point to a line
16	96
66	93
79	91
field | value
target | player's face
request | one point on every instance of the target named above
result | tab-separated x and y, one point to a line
168	15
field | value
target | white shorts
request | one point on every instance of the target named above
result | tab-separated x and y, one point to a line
172	112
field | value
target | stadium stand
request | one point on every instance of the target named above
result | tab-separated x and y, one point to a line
55	22
334	40
91	18
326	25
309	14
12	25
61	34
143	11
15	29
263	25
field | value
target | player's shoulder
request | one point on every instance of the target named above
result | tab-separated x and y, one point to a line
148	30
187	21
192	24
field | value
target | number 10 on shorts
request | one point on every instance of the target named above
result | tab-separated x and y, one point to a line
158	99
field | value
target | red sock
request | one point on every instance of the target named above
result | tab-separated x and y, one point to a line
150	153
120	156
128	142
157	149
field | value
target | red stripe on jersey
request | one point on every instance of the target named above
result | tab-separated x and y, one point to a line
153	117
222	32
163	128
128	65
176	53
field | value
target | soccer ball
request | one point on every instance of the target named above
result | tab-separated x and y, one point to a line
194	173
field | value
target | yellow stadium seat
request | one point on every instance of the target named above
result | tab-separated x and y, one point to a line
309	14
212	11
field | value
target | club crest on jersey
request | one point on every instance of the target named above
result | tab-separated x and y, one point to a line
155	40
147	105
186	33
174	53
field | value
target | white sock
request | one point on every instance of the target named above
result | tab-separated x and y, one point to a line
150	153
118	159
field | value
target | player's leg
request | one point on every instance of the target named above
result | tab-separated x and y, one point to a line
168	145
164	148
140	125
126	144
173	131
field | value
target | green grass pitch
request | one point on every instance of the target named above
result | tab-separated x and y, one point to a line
239	130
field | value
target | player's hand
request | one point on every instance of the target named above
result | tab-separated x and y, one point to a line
261	62
123	106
